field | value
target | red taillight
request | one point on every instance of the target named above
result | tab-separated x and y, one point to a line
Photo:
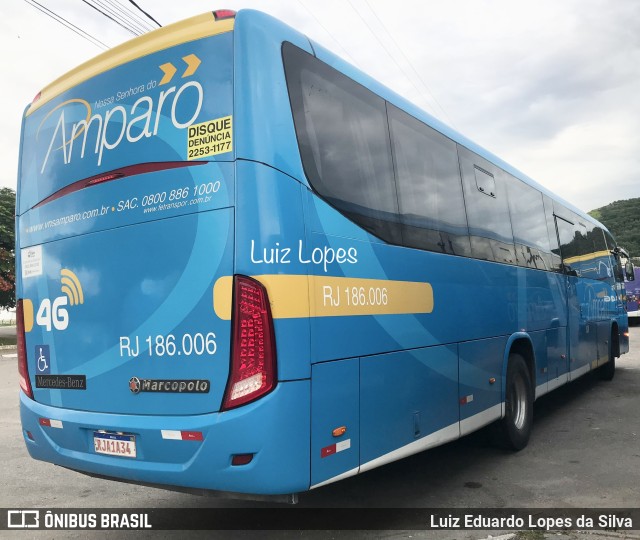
253	348
104	178
21	347
221	14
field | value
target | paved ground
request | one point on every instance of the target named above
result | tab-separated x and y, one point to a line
584	452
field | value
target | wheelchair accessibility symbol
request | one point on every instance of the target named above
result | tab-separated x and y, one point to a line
43	363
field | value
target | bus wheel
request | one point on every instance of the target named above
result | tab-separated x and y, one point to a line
608	370
516	424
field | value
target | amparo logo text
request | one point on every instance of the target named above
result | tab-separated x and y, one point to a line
76	126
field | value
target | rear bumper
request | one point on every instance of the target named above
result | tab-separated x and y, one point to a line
275	429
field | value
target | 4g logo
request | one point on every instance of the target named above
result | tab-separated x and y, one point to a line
54	313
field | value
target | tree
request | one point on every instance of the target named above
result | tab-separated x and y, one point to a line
622	218
7	246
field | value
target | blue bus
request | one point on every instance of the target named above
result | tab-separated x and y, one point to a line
241	262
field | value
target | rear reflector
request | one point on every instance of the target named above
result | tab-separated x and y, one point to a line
253	352
182	435
241	459
21	349
48	422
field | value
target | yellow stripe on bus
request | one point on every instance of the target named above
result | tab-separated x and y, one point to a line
200	26
297	296
587	257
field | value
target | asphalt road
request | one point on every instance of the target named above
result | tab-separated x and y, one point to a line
584	452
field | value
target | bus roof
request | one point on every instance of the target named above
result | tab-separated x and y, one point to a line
191	29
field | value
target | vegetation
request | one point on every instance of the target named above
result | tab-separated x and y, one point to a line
7	246
622	218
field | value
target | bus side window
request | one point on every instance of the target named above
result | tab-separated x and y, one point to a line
488	214
429	186
554	246
530	232
576	246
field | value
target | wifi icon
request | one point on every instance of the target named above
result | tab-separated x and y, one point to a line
71	287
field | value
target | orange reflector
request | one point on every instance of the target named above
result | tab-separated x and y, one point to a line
339	432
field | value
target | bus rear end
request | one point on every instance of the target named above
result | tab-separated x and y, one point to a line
142	356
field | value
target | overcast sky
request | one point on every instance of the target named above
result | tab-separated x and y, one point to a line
550	86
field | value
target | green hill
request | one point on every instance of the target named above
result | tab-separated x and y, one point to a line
622	218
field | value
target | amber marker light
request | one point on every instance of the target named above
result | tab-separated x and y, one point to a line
339	432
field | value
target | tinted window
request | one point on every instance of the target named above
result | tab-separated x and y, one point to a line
594	259
566	235
583	247
529	225
344	142
429	189
606	260
487	213
615	259
554	247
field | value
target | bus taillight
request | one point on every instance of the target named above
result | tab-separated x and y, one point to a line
21	347
253	350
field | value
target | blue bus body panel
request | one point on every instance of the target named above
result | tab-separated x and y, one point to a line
480	373
335	404
264	116
405	397
120	282
135	282
132	118
275	429
267	244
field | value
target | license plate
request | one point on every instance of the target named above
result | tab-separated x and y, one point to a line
114	444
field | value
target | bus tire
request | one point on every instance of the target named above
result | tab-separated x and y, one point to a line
518	417
608	370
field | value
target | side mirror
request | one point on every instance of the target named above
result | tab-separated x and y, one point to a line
629	272
624	266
